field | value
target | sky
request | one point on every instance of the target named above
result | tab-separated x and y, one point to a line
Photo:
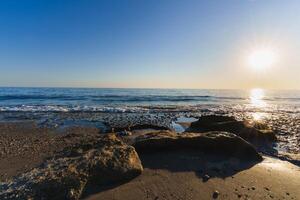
148	44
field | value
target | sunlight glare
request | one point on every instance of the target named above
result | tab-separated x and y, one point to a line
261	59
257	116
256	97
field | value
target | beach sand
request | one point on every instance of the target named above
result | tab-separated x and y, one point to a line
24	145
167	175
270	179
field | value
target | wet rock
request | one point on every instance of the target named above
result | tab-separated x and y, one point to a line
148	126
221	143
131	127
255	133
96	160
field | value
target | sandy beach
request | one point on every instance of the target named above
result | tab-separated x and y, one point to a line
167	174
270	179
25	146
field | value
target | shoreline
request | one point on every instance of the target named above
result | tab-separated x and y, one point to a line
286	125
26	145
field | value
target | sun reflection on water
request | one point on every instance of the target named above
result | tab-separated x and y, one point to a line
257	96
259	116
256	116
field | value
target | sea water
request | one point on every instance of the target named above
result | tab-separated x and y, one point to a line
132	100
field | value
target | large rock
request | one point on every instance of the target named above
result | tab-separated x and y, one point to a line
100	160
256	133
219	143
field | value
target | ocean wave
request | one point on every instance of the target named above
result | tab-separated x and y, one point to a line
131	100
287	98
124	98
56	108
118	98
150	108
40	97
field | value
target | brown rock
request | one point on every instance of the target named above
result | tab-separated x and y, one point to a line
255	133
100	160
222	143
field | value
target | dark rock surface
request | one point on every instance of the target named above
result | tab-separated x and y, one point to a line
255	133
132	127
220	143
94	159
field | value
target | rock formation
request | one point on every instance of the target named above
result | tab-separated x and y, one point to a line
220	143
256	133
97	160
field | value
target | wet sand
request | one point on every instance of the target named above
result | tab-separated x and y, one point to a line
24	145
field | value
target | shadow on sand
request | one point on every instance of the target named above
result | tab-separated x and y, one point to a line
202	164
91	188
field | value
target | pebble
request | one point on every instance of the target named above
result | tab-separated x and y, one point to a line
216	194
205	178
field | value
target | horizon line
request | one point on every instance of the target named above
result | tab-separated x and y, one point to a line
144	88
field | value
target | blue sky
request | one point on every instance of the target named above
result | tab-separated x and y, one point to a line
139	43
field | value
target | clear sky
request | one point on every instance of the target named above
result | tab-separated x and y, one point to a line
154	43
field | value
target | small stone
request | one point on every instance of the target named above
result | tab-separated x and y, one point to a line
124	133
71	193
287	194
205	178
216	194
253	188
79	151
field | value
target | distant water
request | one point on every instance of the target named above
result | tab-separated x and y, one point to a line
135	100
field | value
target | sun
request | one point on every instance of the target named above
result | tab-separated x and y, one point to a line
260	59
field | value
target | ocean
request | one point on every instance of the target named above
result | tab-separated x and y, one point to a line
132	100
